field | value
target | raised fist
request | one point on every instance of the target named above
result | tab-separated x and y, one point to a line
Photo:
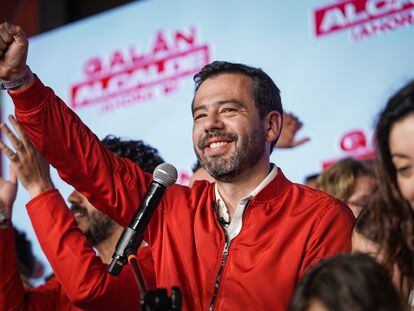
13	52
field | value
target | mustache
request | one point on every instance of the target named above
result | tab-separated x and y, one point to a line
216	134
78	208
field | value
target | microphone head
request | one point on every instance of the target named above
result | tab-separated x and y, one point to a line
165	174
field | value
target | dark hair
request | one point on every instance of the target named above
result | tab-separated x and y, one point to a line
24	253
196	166
347	282
265	93
310	177
392	216
137	151
363	224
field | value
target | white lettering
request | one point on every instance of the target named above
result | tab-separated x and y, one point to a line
331	19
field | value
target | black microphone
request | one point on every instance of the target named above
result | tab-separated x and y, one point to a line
164	176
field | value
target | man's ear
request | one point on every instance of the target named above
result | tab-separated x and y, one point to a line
273	126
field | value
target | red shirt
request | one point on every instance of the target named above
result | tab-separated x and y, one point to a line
81	279
286	227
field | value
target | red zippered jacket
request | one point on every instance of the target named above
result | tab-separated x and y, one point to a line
81	280
286	227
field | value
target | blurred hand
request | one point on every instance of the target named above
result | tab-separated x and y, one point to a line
8	191
31	168
13	51
291	125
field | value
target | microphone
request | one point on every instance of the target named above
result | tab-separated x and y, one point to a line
164	176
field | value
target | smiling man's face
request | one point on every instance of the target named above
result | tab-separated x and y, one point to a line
228	134
96	226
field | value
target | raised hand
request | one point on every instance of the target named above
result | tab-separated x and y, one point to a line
13	52
31	168
291	125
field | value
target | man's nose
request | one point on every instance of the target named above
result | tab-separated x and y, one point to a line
213	122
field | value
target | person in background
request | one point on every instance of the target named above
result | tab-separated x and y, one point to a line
365	240
393	218
350	180
346	282
81	280
29	266
312	180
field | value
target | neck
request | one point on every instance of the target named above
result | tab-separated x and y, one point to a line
233	191
106	248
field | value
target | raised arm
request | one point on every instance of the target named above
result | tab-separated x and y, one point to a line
113	185
13	294
82	274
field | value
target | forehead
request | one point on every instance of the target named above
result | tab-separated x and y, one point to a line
222	87
401	136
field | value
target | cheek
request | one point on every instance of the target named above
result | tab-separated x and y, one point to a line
406	186
195	134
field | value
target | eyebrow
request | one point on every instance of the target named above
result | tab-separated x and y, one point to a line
399	155
219	103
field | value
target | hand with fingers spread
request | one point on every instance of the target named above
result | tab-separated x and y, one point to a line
13	52
291	125
30	167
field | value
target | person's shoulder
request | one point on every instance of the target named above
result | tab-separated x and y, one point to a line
316	202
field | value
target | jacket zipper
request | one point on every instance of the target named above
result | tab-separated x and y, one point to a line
219	274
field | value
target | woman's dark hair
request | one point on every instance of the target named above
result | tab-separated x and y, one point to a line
392	216
347	282
265	93
363	224
137	151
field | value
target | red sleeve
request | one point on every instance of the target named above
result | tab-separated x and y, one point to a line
82	274
113	185
331	235
13	295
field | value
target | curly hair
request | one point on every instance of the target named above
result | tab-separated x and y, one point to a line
392	216
137	151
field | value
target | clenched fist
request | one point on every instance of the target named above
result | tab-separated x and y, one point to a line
13	52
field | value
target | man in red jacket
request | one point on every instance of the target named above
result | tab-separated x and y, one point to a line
81	280
241	242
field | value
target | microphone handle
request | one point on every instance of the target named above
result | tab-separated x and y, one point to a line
133	235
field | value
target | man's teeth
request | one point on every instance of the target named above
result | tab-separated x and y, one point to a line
78	214
217	144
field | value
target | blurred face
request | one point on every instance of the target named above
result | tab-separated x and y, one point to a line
360	244
402	152
96	226
363	189
316	305
228	135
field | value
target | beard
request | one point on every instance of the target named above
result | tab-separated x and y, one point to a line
99	227
249	148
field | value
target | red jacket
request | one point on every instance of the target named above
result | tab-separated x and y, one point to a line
81	280
286	227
